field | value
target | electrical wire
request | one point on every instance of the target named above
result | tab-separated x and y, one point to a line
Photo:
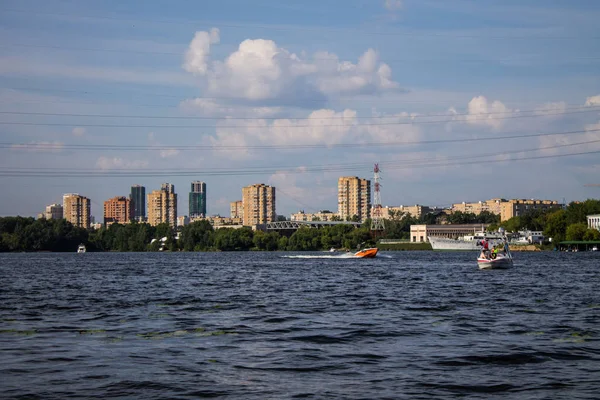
78	147
566	110
444	121
270	170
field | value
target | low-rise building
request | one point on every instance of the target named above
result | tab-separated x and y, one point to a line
518	207
419	233
416	211
323	215
54	211
493	205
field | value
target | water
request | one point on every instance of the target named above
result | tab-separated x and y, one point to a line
416	325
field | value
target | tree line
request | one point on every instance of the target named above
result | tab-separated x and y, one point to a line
569	223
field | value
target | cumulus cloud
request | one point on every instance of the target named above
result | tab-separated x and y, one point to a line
39	147
108	163
197	56
593	101
260	70
483	113
392	5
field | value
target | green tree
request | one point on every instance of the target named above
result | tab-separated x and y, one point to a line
576	231
197	236
592	234
556	226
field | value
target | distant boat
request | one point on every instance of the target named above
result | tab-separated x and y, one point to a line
81	248
466	243
332	250
367	253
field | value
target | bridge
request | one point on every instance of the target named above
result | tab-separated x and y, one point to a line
295	225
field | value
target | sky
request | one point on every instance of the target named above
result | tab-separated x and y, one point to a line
458	100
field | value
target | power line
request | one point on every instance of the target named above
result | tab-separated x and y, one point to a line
78	147
444	35
566	110
354	165
181	53
75	174
178	97
443	121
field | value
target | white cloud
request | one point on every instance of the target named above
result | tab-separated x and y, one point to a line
593	101
393	5
196	58
108	163
260	70
78	131
39	147
483	113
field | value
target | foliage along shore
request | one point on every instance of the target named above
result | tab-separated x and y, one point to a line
18	234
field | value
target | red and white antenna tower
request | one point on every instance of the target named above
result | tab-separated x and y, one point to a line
377	218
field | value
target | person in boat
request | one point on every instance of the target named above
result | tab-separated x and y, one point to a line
485	249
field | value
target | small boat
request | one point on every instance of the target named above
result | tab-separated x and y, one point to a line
500	258
367	253
81	248
332	250
495	261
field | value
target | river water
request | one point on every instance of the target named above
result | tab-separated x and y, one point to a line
418	325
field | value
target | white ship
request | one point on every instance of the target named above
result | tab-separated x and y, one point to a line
465	243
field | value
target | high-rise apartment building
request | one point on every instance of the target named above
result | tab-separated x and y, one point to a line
138	203
236	209
258	204
198	200
117	210
162	206
76	209
54	211
354	197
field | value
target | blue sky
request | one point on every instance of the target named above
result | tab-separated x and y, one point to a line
296	94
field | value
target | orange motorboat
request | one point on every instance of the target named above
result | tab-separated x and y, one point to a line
366	253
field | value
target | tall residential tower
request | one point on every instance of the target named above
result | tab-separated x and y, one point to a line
162	206
76	210
138	203
117	210
198	200
258	204
354	197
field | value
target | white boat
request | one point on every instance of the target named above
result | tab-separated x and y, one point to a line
464	243
496	259
81	248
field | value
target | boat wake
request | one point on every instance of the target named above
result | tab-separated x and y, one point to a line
344	256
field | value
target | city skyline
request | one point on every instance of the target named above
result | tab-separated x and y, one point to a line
455	102
354	199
